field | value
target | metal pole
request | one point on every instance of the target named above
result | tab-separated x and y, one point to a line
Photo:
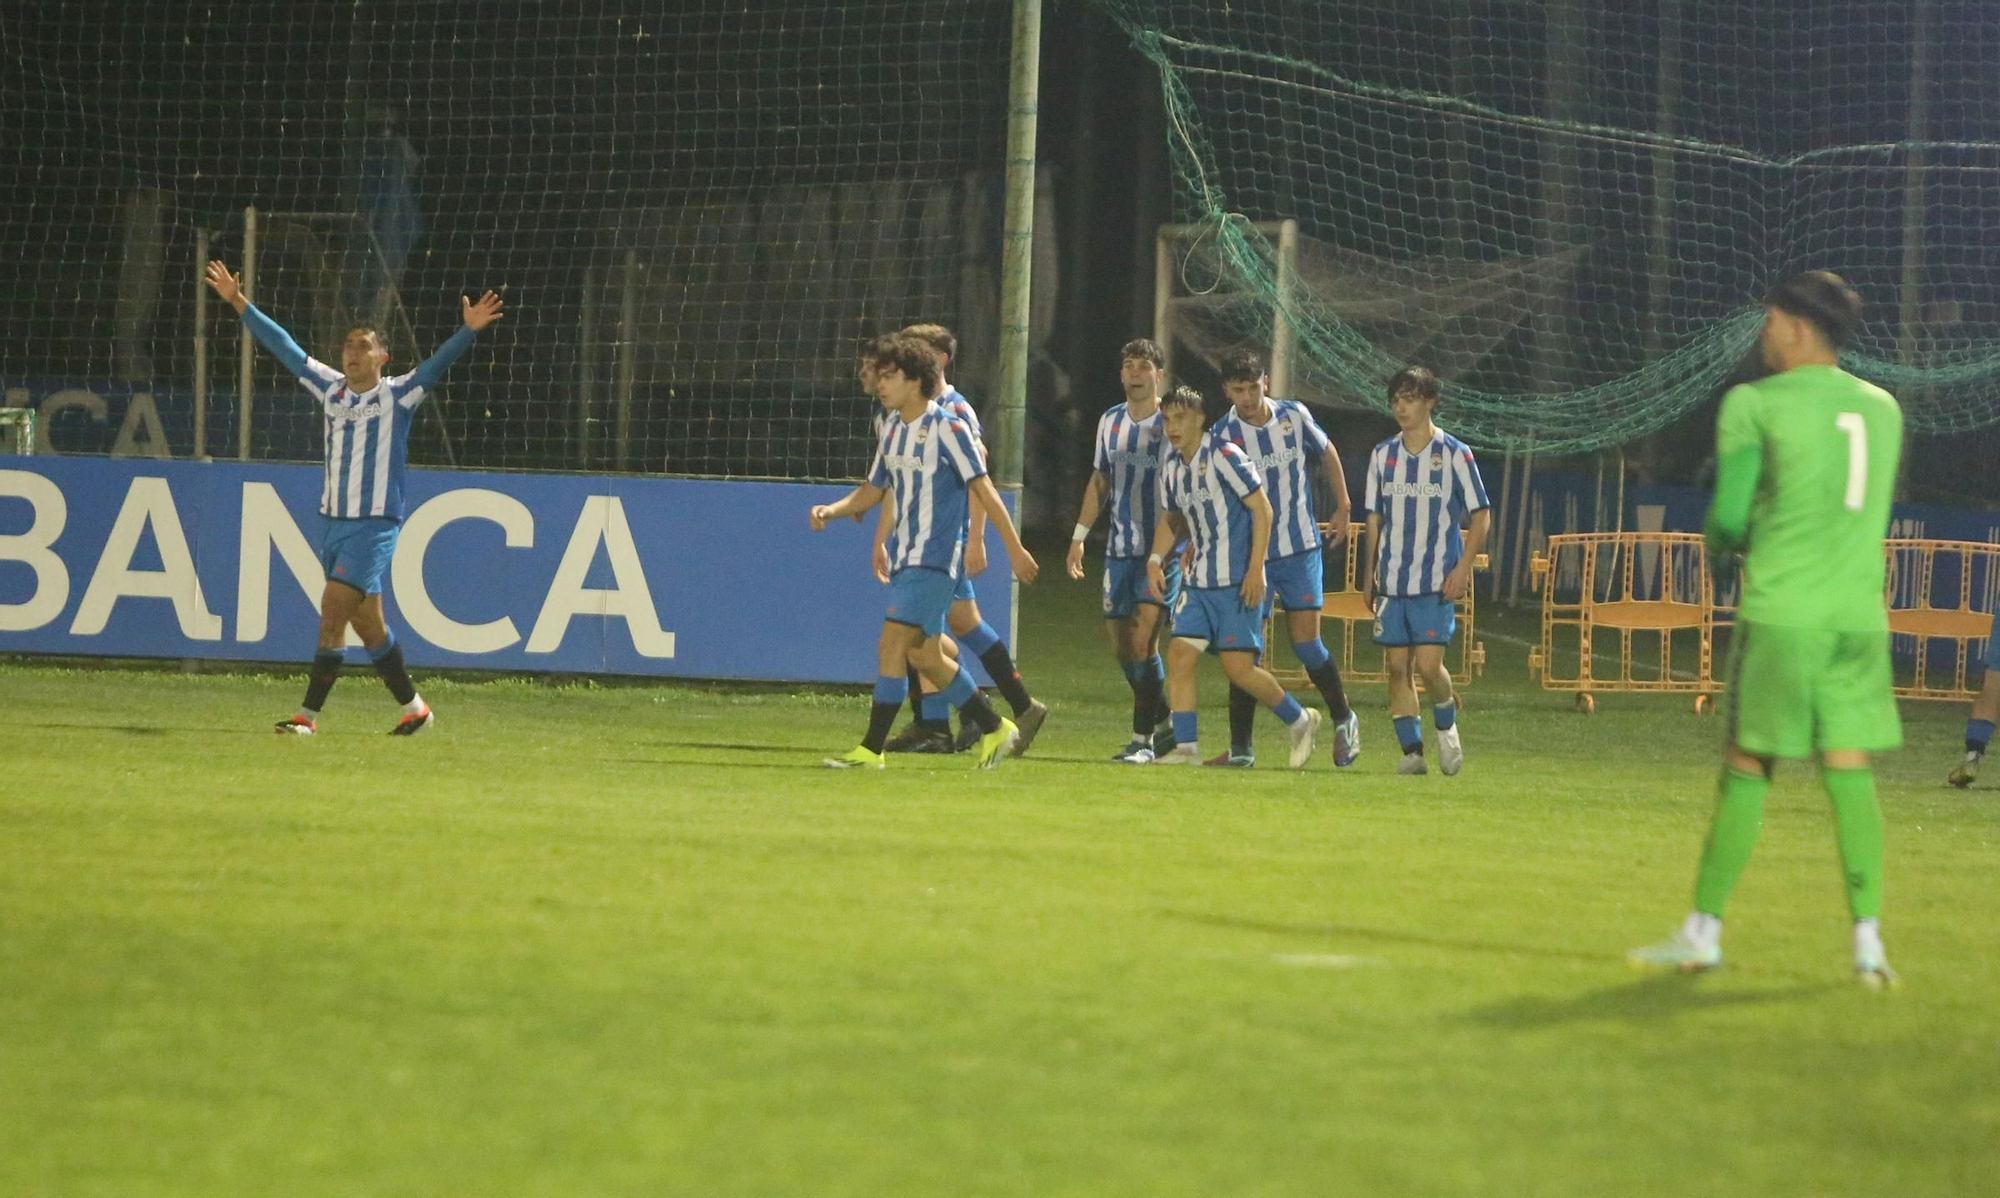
1666	103
586	371
245	349
628	360
1163	296
1910	294
1281	326
1018	243
200	451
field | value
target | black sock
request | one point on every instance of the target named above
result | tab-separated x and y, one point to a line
1146	703
324	673
978	711
1242	716
881	717
916	695
1000	667
1327	679
395	676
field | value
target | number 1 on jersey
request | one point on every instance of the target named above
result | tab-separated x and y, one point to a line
1857	457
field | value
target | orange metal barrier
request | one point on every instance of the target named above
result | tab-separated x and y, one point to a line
1348	620
1914	567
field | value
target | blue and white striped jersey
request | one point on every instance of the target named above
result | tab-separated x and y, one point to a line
1128	455
1209	492
1284	448
367	434
927	465
1421	498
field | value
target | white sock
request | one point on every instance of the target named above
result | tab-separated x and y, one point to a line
415	705
1868	939
1700	930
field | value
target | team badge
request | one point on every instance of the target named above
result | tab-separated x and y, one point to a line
1437	461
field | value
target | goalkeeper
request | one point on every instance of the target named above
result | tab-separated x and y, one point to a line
1806	464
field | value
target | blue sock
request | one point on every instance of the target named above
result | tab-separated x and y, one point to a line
979	639
1312	654
378	652
935	708
1977	733
1445	714
1288	709
961	691
1410	733
1184	727
891	690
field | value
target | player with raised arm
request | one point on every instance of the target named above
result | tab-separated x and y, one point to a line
968	627
1211	493
930	468
1421	483
368	420
1125	469
1283	439
1806	464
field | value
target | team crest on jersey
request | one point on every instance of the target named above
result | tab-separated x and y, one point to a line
1437	461
923	433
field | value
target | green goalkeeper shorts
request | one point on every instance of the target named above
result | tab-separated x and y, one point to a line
1797	691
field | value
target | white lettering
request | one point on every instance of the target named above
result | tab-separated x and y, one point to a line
31	548
268	525
407	570
147	502
602	521
89	401
141	413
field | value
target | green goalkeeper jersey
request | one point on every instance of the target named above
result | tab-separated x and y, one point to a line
1805	472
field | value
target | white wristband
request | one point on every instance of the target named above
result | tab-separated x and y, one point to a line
1153	558
1082	531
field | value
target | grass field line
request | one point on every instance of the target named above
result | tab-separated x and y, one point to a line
1523	642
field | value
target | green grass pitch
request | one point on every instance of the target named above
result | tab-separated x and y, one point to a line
631	940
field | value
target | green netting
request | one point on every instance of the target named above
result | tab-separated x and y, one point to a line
1571	211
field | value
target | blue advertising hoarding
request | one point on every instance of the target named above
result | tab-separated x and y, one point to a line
531	573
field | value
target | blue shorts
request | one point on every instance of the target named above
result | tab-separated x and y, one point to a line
1294	582
1125	586
963	590
1993	644
1217	615
1414	620
357	552
920	597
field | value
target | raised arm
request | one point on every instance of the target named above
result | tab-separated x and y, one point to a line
477	316
269	333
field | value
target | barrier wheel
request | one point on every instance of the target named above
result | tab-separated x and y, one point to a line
1584	703
1704	705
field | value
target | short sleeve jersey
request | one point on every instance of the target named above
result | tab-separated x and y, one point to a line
1830	445
926	466
1128	454
1283	449
1208	490
1421	497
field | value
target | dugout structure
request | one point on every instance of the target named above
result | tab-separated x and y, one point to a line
1348	613
1640	613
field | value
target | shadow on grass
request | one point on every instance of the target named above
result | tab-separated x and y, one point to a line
658	762
1343	932
1653	998
146	729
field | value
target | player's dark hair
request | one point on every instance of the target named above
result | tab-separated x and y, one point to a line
937	337
1414	380
1143	347
1182	397
910	355
369	329
1240	366
1822	299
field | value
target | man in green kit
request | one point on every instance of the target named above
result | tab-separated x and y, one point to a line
1805	469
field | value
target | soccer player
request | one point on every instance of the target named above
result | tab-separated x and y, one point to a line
1985	709
1131	440
1283	439
1805	468
930	467
1210	492
368	421
1421	483
969	628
